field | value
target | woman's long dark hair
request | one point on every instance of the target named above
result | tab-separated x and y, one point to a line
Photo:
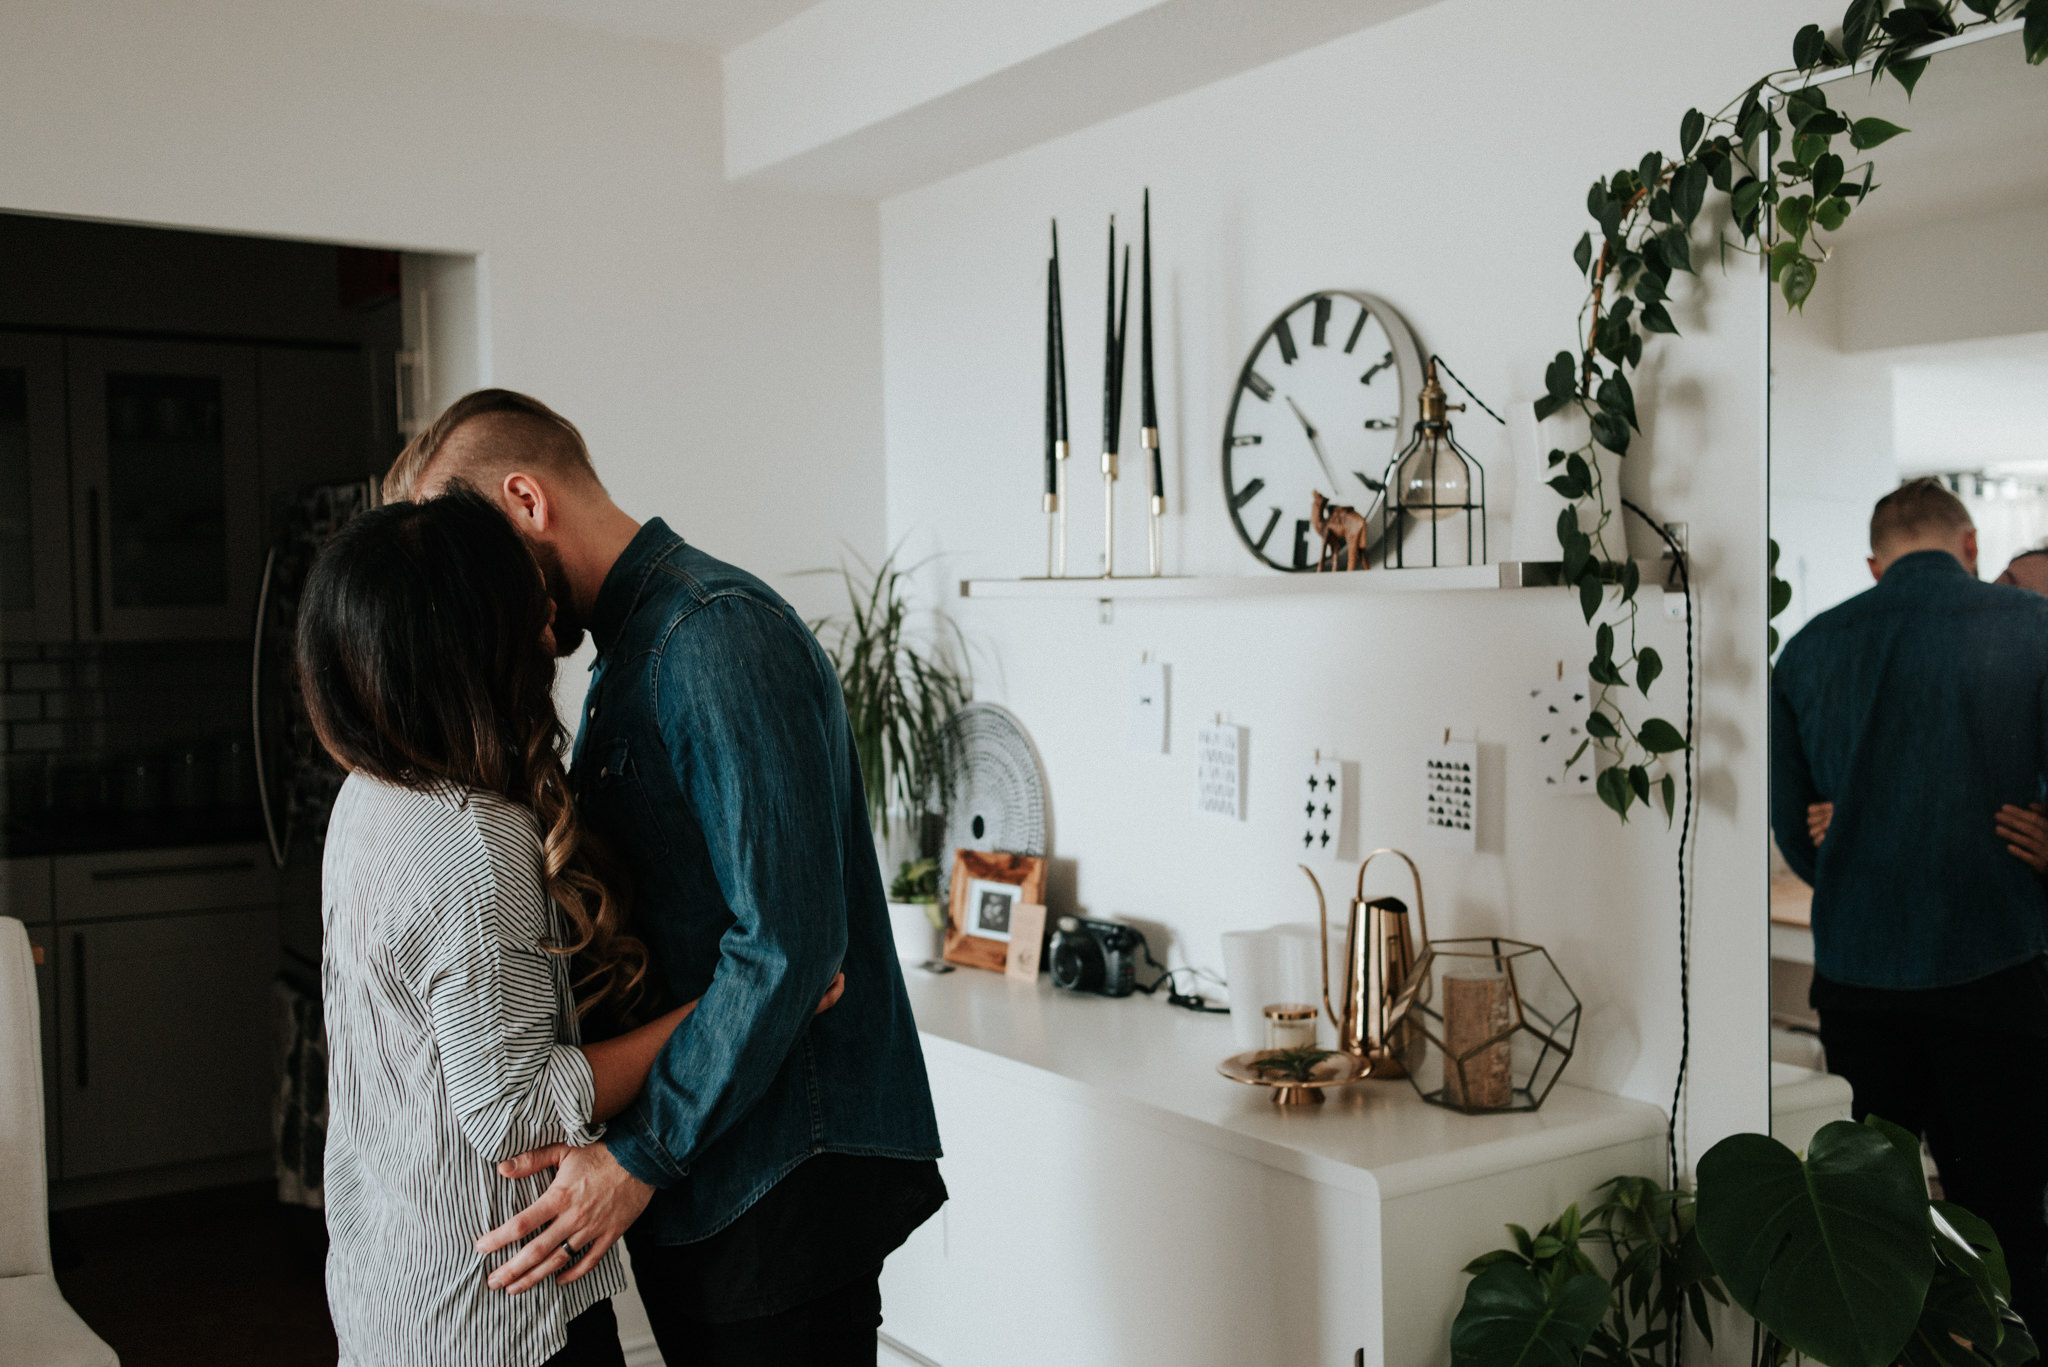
422	657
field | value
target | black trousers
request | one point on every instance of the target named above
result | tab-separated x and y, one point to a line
593	1340
835	1330
1980	1099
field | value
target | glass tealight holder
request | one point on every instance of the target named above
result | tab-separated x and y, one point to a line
1290	1025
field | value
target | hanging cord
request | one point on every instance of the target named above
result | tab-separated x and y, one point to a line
1187	1001
1468	389
1684	833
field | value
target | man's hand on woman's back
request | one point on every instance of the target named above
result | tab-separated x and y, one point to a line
2023	829
2025	832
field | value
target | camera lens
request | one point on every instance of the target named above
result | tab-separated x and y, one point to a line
1077	963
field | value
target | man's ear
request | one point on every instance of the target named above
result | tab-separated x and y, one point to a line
1876	570
1969	555
526	503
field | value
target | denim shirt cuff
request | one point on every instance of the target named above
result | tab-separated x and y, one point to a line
632	1142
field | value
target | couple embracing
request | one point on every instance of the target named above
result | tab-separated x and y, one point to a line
652	995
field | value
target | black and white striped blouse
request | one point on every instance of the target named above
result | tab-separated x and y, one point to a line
451	1039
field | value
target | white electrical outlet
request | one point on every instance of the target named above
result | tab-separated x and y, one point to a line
1327	798
1145	715
1219	771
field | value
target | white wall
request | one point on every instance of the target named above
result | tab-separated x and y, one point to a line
1440	160
719	345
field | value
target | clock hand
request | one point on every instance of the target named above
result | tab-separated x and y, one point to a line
1316	445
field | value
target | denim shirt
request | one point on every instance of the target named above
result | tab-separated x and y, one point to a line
1918	708
716	759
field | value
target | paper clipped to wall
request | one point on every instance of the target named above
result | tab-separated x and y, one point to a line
1219	771
1564	753
1450	795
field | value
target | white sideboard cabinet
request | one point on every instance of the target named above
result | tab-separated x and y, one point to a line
1115	1203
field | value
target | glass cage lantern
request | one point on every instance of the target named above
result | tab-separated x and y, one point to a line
1435	483
1487	1024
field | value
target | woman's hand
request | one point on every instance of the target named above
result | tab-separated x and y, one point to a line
833	994
1819	816
2025	832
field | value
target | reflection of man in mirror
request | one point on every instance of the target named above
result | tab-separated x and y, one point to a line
2028	570
1919	711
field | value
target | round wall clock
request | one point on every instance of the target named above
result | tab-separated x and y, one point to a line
1325	399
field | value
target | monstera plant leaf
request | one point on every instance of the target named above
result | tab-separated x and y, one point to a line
1515	1317
1834	1254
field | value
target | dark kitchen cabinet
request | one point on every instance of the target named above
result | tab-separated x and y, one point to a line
35	532
166	503
165	1034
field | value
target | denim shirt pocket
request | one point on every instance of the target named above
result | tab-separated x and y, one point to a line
616	794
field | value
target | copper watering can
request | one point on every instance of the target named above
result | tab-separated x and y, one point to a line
1379	953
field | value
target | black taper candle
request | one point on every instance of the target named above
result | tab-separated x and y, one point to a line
1149	413
1052	478
1109	414
1059	332
1123	337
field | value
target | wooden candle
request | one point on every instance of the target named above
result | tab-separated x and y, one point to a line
1477	1007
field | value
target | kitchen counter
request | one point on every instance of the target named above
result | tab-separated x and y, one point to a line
1099	1165
1157	1064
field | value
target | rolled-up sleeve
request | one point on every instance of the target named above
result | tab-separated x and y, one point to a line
751	719
497	1002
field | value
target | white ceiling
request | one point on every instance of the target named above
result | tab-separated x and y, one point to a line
1973	406
716	25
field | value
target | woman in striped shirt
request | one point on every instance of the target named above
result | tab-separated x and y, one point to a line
469	931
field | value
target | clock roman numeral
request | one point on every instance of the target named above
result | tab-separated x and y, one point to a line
1248	439
1322	321
1363	314
1246	494
1383	363
1379	424
1259	385
1369	482
1259	542
1284	335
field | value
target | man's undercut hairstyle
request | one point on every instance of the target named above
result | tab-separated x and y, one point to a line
1916	509
484	436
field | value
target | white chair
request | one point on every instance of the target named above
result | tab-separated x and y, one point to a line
36	1326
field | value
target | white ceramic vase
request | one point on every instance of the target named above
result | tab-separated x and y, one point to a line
917	939
1534	533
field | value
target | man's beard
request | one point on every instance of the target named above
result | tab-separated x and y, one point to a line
568	625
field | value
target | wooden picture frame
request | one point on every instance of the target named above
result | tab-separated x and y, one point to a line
977	905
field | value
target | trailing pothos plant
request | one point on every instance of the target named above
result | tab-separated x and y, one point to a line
1792	169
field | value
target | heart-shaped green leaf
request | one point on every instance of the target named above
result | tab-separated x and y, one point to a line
1834	1252
1865	134
1510	1318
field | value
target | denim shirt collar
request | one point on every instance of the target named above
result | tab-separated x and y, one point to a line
1917	565
627	579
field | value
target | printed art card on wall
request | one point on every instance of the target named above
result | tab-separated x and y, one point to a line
1219	771
1450	795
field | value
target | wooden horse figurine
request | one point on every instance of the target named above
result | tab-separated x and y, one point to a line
1342	529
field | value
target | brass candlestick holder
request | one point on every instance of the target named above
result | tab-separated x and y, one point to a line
1109	514
1056	516
1148	441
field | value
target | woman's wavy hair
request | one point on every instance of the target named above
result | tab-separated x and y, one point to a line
421	651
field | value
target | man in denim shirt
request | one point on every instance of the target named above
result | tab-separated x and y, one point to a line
774	1160
1919	709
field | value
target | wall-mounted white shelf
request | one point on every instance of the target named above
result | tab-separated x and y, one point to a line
1506	574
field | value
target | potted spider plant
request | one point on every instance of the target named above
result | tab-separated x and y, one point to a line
902	687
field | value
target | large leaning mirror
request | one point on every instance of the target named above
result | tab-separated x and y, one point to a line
1909	401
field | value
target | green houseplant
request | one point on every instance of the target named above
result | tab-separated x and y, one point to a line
902	687
1839	1258
1793	171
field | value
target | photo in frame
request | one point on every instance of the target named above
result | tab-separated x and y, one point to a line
987	890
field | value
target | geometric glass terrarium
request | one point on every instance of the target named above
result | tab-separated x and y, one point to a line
1487	1024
